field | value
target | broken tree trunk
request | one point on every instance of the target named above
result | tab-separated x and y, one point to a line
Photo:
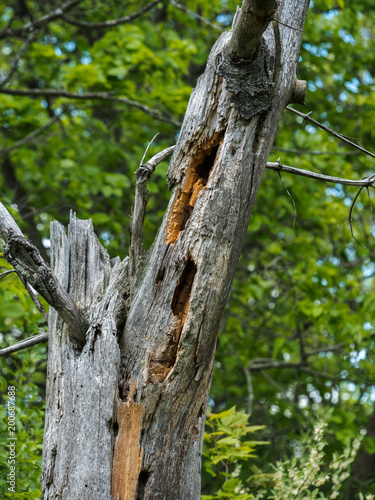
126	407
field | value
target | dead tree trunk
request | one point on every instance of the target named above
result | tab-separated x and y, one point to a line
129	371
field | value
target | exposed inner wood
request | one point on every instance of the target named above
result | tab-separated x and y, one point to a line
127	460
196	179
161	365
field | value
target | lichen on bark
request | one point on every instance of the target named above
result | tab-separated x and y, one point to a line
249	81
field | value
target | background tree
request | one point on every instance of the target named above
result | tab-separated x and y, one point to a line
308	287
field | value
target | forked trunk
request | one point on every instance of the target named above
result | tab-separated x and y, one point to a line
125	412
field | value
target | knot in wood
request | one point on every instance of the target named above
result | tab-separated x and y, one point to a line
143	173
250	82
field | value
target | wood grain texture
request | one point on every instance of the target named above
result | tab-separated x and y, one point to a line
128	409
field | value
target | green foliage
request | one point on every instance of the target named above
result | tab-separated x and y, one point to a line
298	330
26	374
226	447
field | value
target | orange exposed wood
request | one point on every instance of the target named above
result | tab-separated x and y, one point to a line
196	179
127	460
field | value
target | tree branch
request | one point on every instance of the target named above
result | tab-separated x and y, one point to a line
111	22
24	344
277	166
28	138
366	181
5	273
143	173
91	95
313	153
36	301
32	269
194	14
13	68
38	23
330	131
252	21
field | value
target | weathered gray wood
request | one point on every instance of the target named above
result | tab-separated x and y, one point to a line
125	414
24	256
168	351
81	384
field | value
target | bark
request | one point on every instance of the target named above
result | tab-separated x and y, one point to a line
125	413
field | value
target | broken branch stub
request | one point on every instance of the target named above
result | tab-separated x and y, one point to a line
254	17
33	270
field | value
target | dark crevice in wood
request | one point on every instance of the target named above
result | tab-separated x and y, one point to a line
160	276
115	429
196	179
162	363
181	298
144	476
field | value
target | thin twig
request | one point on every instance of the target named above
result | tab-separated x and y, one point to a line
111	22
194	14
290	196
250	390
36	301
350	215
366	181
308	152
16	60
28	138
148	147
371	208
91	95
287	25
143	173
24	344
5	273
38	23
330	131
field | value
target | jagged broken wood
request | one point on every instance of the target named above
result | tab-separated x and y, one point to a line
135	392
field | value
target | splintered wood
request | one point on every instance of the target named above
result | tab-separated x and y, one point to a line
195	180
127	460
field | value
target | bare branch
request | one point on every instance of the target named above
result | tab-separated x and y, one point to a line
355	262
38	23
143	173
32	269
308	152
112	22
250	390
92	95
366	181
350	215
5	273
272	364
331	348
290	196
36	301
253	19
287	25
330	131
16	60
24	344
30	137
194	14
